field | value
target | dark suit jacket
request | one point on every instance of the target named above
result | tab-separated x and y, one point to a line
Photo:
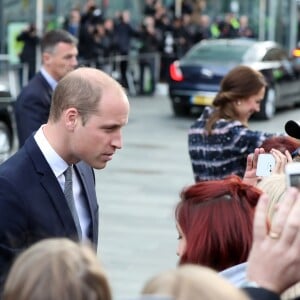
260	294
32	107
33	206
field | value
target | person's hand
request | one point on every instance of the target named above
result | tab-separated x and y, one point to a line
288	155
280	160
250	172
274	259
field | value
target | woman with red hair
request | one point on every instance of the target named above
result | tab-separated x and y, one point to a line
214	220
281	143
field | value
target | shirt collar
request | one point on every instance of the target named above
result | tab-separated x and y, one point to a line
51	81
56	163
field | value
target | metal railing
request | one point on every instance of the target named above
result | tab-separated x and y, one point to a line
111	65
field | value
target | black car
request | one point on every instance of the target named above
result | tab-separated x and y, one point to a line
8	136
195	78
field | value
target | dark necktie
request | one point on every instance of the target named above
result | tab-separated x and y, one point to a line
68	191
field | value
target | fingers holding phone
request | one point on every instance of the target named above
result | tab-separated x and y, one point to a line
250	176
270	163
280	160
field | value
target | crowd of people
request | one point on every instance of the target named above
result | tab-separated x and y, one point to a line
75	272
239	233
159	38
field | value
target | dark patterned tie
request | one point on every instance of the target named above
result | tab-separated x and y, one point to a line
68	191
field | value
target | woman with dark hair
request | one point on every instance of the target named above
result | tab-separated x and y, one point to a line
220	140
214	221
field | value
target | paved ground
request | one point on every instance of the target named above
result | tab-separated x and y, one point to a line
138	191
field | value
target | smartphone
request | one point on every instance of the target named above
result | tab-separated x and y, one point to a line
265	164
292	171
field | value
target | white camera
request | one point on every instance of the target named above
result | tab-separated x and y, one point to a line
292	171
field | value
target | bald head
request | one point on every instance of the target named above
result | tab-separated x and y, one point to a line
95	76
82	89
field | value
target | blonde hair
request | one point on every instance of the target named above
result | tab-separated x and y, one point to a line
192	282
83	89
291	293
274	186
57	269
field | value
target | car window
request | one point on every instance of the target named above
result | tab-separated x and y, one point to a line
274	54
218	53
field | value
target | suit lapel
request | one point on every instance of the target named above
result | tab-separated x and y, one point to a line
51	186
47	87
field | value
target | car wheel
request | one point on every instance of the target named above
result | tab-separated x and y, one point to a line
5	142
268	105
181	110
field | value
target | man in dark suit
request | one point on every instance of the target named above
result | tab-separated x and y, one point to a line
88	111
59	57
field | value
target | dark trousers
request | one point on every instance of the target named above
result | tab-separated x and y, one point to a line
123	71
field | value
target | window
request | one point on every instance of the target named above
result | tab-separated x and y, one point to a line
275	54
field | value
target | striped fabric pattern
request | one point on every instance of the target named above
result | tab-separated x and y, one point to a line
223	152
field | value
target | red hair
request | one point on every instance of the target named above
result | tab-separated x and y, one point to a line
216	218
280	143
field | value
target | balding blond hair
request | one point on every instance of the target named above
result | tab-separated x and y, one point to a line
82	89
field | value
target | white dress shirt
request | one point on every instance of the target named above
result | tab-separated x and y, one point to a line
58	166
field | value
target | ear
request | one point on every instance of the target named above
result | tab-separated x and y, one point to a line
71	117
46	58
